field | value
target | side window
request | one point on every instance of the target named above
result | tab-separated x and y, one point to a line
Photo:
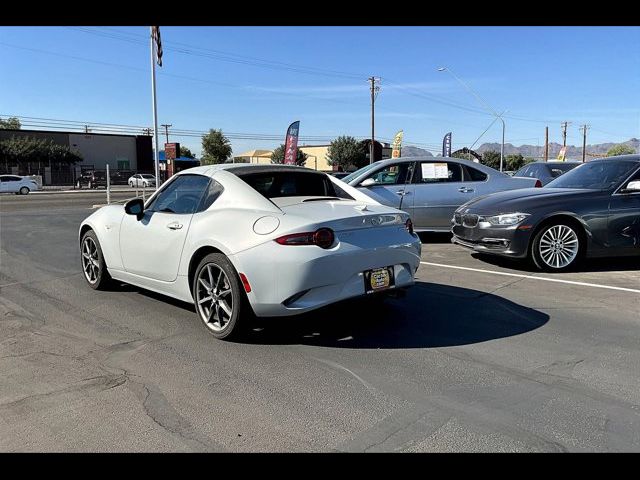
438	172
211	195
473	174
391	175
182	195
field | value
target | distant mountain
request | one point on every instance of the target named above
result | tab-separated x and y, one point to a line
408	151
593	151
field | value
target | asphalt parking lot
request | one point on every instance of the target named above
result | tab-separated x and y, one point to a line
482	355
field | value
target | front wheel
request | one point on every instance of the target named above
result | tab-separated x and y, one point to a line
220	300
557	247
93	264
24	191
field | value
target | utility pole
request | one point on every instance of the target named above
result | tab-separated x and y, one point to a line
546	144
166	130
86	129
374	93
564	132
584	129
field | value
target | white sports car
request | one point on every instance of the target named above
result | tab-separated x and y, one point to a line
241	240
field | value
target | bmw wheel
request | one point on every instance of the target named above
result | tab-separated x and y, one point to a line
557	247
24	191
220	300
93	265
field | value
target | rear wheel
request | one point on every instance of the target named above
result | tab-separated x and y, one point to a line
220	300
557	247
93	264
24	191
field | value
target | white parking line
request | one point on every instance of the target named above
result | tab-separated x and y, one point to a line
533	277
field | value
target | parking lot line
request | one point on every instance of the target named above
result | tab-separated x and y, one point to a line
533	277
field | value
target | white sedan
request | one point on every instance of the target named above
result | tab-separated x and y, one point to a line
243	240
17	184
142	180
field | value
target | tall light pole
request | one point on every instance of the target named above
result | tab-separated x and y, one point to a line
486	105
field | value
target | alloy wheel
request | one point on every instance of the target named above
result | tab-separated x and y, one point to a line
214	297
558	246
90	260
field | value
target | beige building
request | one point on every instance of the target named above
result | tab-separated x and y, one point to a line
254	156
317	157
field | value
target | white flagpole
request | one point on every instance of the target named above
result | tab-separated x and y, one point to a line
155	112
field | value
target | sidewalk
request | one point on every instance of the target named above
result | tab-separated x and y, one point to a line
103	191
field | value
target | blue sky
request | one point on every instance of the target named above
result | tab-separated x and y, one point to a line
256	80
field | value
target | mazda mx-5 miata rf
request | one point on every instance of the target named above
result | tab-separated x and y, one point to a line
243	240
592	210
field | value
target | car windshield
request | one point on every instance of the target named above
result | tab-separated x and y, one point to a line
146	176
598	175
359	172
290	184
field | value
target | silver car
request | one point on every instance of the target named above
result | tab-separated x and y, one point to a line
430	189
17	184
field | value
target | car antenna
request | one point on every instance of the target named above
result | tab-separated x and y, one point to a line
404	187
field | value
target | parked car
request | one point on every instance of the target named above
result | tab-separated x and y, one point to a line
431	188
545	171
339	174
92	179
142	180
17	184
120	177
592	210
238	240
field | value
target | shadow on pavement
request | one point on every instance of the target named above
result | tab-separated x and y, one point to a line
431	315
435	237
613	264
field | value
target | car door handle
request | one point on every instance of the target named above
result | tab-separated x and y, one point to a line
402	192
465	190
174	226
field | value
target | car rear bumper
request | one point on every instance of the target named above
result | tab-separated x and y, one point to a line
290	280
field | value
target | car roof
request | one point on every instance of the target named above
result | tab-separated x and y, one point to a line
246	168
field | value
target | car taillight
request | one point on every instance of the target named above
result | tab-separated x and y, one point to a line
323	238
538	184
409	225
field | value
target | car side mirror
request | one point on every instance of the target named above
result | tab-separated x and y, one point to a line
632	187
135	207
368	182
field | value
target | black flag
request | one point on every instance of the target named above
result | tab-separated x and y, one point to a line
155	33
446	145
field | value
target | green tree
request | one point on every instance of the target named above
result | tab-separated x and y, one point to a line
513	162
185	152
278	156
20	150
215	147
348	153
11	123
620	149
491	158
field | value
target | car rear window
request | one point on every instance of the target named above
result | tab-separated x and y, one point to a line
290	184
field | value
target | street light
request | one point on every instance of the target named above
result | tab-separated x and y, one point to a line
442	69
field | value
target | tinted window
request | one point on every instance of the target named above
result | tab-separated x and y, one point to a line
473	174
11	178
359	172
438	172
212	194
182	195
599	175
290	184
391	175
557	169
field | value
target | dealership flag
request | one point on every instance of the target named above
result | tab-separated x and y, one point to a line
397	145
562	154
155	33
446	145
291	144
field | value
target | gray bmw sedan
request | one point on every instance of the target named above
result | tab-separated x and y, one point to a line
592	210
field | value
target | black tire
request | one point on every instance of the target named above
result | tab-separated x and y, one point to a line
574	238
131	184
237	325
24	191
98	272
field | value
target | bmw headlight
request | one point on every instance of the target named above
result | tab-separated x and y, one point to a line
507	218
